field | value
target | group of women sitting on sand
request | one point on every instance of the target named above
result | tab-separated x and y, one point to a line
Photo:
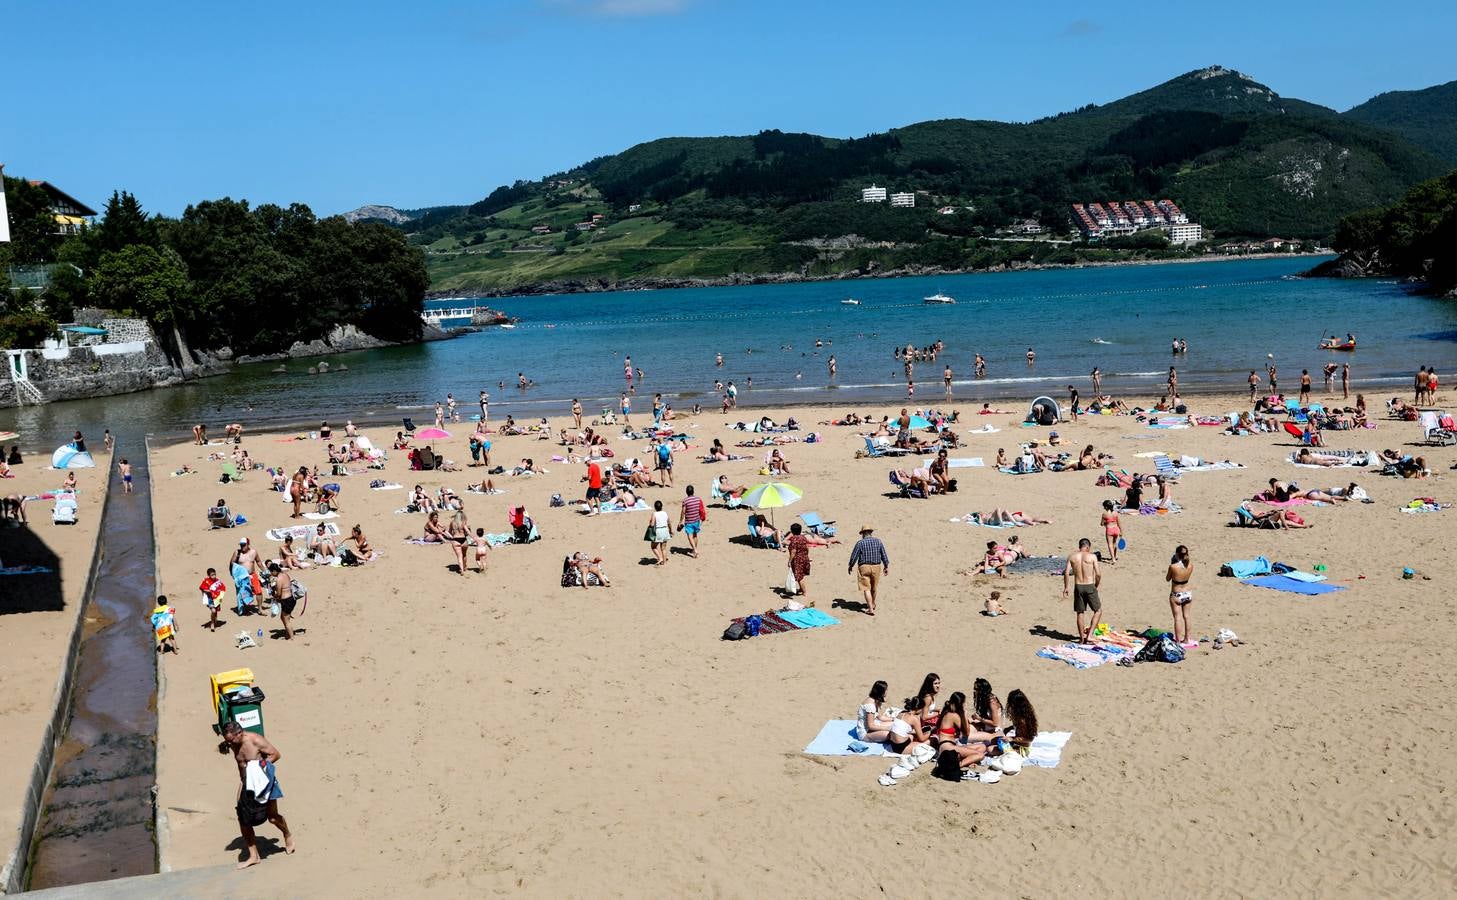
973	731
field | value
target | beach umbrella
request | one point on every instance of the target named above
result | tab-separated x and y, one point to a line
8	436
771	495
920	422
431	434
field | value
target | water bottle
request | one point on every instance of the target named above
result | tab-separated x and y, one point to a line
260	634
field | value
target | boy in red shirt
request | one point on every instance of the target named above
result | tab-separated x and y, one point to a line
594	488
212	596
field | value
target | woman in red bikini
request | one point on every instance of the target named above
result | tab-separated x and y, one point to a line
1112	528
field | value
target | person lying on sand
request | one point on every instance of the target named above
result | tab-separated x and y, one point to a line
986	410
1306	458
1001	516
586	565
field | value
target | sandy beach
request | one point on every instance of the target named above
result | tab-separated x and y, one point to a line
490	733
35	631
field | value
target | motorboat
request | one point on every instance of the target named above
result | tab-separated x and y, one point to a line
940	299
849	301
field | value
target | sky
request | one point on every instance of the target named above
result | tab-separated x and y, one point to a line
417	103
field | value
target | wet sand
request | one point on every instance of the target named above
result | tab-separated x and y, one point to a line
489	733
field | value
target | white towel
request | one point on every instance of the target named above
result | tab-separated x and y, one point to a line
1047	748
256	780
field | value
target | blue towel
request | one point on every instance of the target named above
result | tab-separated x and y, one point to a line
1291	585
837	738
1244	568
807	618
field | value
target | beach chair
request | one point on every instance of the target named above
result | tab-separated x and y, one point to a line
220	517
409	425
1165	467
905	487
1246	519
874	449
816	525
758	540
64	512
730	502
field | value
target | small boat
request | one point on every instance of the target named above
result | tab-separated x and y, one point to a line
506	325
1332	343
849	301
939	299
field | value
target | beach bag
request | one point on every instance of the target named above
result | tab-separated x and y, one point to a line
556	500
252	812
1160	649
650	534
347	557
753	625
948	765
736	631
790	585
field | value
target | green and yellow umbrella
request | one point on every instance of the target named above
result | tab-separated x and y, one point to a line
771	495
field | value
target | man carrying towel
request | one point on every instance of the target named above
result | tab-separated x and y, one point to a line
869	561
1083	568
248	747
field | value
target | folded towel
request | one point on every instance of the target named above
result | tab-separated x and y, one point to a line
837	738
808	618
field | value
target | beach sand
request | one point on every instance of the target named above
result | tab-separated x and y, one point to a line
34	634
490	733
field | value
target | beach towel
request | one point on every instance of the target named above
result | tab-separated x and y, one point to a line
616	508
1291	585
808	618
1346	458
1245	568
386	487
1210	467
300	532
1079	657
1038	565
985	429
321	516
1046	749
837	738
964	462
1307	577
1293	501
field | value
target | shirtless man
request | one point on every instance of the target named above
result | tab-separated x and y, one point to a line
1181	569
247	747
283	594
1082	568
1031	356
245	556
1254	385
125	468
946	379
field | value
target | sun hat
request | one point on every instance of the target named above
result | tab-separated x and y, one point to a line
865	528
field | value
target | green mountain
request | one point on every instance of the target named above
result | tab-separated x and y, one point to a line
1236	156
1412	238
1427	118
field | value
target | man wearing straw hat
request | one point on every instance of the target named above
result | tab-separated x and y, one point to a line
869	561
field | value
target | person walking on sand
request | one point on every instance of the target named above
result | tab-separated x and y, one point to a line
1304	387
691	518
1345	381
1083	570
1097	377
212	590
626	406
1181	569
285	596
594	488
247	748
125	468
576	414
869	563
450	408
659	533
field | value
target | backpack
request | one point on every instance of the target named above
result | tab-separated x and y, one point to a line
753	624
347	557
736	631
556	500
1160	649
948	766
251	811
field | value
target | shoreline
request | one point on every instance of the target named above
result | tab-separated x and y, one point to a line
738	279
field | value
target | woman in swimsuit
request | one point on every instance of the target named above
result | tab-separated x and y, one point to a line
906	731
1166	493
718	452
930	686
287	556
434	531
1023	730
457	534
1112	529
361	544
872	725
986	714
1180	597
321	546
953	732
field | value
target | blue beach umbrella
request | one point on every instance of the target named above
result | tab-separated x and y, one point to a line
920	422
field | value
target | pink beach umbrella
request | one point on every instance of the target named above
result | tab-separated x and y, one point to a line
431	434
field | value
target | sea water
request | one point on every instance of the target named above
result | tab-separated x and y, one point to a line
1236	316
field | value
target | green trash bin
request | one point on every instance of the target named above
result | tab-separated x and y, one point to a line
244	706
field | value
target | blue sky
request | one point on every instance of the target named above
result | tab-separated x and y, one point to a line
417	103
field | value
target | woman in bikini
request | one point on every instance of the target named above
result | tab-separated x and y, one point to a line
1023	719
872	725
1166	493
361	544
986	713
930	687
907	732
1180	597
287	556
953	732
1112	528
434	531
457	534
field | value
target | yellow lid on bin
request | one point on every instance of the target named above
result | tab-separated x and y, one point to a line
225	682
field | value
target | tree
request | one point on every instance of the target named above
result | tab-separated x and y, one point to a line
150	283
124	223
33	239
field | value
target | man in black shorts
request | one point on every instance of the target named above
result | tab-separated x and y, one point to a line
284	593
1082	567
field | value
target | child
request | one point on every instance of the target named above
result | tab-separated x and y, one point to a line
212	597
164	626
994	605
126	476
910	390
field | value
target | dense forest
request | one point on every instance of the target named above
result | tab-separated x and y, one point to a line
1414	237
223	274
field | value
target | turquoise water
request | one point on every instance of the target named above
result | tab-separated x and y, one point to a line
1120	319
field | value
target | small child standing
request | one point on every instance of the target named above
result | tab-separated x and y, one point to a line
164	626
212	597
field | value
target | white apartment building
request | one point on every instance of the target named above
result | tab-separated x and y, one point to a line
872	194
1184	233
904	199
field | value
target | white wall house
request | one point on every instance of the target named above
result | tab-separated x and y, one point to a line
872	194
1186	234
906	199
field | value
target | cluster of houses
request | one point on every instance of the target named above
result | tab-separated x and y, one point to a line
1113	218
1269	245
899	199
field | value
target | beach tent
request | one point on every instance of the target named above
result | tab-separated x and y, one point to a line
68	457
1051	415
